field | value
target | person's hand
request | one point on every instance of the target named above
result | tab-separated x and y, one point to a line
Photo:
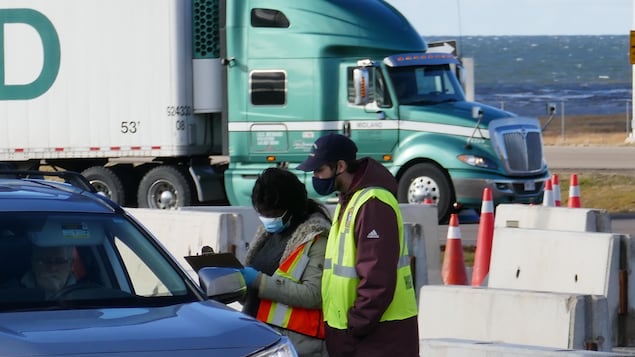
249	274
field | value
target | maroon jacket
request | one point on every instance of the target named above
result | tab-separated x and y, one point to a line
376	265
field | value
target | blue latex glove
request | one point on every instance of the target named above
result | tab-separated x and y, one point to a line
249	274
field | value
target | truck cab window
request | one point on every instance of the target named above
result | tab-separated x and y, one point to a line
425	85
268	88
268	18
378	90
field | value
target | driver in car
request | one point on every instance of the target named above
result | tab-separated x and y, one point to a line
51	269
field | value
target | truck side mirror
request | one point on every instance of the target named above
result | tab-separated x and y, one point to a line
360	82
477	112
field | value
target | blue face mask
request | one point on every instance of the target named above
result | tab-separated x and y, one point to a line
324	186
274	225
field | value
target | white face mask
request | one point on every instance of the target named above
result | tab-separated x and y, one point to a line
275	224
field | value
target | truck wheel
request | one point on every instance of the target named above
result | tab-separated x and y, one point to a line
164	187
427	180
106	182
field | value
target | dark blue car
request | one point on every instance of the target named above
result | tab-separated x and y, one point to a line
79	277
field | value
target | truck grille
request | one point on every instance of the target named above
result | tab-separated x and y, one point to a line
519	143
524	151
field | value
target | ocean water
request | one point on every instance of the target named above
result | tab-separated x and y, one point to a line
522	74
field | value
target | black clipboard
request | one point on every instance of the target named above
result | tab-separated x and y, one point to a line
226	260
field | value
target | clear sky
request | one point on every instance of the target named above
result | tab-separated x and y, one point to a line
518	17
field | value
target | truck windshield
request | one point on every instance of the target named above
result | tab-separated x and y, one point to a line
425	85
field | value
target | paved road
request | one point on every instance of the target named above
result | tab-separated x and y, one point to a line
590	157
571	158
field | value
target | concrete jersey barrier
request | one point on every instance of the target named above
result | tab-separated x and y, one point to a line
448	347
186	233
544	260
231	229
552	218
421	230
543	319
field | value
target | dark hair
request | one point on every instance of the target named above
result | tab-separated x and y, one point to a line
280	189
351	165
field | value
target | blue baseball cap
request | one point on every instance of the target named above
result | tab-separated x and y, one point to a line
329	148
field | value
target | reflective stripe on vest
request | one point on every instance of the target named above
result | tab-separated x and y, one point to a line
340	279
306	321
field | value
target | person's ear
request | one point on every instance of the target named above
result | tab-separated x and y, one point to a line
340	167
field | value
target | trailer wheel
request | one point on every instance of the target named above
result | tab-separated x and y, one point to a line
106	182
427	180
164	187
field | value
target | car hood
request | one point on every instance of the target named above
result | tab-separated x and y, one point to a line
185	329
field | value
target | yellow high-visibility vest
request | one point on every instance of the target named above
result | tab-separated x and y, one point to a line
340	279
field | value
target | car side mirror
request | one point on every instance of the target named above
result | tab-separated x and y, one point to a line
225	285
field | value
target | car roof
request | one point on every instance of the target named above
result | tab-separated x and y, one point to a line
50	192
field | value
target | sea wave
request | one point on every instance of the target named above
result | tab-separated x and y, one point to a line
585	74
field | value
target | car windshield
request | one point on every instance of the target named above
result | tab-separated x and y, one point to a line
70	260
425	85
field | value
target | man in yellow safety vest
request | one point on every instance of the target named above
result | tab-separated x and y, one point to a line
368	297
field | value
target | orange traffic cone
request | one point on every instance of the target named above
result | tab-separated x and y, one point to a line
556	190
453	270
484	239
574	192
547	199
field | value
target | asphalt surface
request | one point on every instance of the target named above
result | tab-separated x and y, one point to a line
620	158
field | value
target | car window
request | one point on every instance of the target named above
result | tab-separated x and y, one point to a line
48	258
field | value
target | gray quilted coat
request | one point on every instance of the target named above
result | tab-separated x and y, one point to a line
306	293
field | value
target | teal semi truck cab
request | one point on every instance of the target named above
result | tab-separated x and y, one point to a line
168	103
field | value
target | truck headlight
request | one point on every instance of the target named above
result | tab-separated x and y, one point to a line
283	348
477	161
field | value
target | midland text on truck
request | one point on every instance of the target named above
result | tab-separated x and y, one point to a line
168	103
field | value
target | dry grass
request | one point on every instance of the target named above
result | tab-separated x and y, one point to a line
586	130
613	191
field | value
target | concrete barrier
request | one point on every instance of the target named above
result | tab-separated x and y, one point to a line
246	217
626	319
231	229
583	220
421	229
186	233
521	258
552	218
559	261
448	347
544	319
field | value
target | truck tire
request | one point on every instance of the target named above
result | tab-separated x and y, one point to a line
106	182
427	180
164	187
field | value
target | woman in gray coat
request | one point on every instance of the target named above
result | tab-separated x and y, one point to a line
286	259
